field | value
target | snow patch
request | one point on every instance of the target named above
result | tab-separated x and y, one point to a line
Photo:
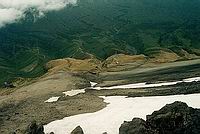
74	92
93	84
52	99
138	85
195	79
145	85
121	109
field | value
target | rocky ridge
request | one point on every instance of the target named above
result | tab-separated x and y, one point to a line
115	63
175	118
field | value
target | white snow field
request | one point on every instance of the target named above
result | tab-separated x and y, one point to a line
119	109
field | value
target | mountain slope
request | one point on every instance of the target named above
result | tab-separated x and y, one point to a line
101	28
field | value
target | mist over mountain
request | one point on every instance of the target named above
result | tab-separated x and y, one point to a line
98	27
12	11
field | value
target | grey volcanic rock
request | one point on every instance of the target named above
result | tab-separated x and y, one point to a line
136	126
35	128
175	118
77	130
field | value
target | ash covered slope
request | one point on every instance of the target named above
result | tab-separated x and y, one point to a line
101	28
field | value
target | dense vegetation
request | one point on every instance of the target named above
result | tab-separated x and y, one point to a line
101	28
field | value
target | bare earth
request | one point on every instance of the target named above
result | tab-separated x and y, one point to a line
27	103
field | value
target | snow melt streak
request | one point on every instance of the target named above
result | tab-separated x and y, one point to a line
145	85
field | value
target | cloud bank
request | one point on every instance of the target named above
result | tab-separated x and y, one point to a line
14	10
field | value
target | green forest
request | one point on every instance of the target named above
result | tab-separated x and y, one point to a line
101	28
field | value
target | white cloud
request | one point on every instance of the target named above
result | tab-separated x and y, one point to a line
13	10
9	16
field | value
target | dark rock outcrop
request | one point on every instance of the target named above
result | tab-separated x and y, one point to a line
77	130
8	85
136	126
35	128
175	118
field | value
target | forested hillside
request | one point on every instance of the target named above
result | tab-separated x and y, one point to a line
100	28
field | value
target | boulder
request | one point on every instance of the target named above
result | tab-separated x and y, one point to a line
8	85
35	128
77	130
136	126
175	118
